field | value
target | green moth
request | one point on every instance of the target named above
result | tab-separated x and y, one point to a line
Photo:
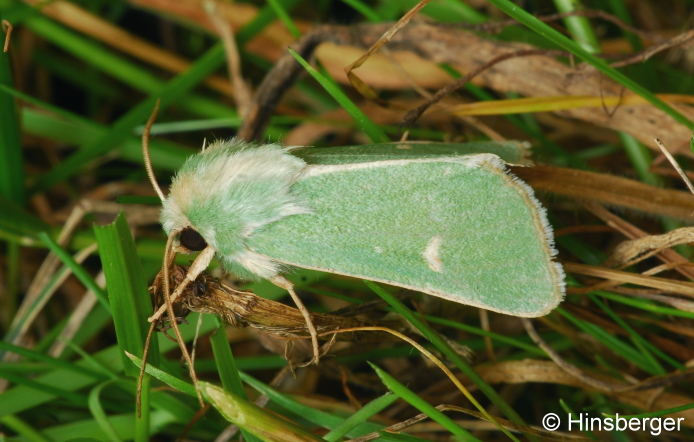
446	220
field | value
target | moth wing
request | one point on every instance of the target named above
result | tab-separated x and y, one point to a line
459	228
511	152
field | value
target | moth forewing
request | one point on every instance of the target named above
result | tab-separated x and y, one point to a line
459	228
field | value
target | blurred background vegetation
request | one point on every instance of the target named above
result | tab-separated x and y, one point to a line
80	79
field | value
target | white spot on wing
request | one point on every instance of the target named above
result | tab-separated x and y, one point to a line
378	249
431	254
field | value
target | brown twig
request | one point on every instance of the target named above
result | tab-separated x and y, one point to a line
242	308
647	53
242	93
414	114
280	78
675	165
496	27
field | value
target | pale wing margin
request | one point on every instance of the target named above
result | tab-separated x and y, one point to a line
511	152
458	228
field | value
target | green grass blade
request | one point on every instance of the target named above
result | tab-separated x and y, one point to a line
121	129
547	31
641	159
50	361
89	430
264	17
364	10
579	27
317	417
645	304
74	129
171	381
164	154
285	17
21	398
99	414
75	75
413	399
446	349
93	363
114	65
19	226
257	421
363	122
79	271
41	387
481	332
611	342
643	345
226	367
22	428
12	164
21	322
366	412
127	290
91	327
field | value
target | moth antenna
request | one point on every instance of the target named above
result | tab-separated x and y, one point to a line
7	29
674	163
195	339
141	378
172	317
145	152
204	143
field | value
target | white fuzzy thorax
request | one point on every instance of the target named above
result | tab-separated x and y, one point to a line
230	190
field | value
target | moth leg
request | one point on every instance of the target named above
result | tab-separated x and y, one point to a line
284	283
199	265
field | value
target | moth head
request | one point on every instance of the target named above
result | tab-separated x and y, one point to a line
182	237
180	220
226	193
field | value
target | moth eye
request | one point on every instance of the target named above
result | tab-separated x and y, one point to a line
192	240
